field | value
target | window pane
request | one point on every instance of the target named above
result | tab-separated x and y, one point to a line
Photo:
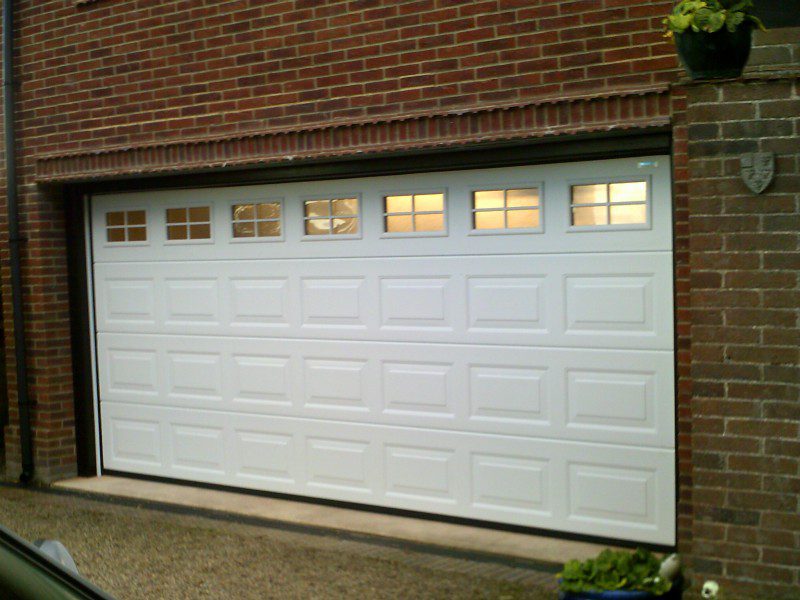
492	219
269	210
518	219
489	199
241	230
318	208
115	218
525	197
243	212
589	215
345	225
345	206
115	235
176	232
176	215
629	213
429	222
633	191
317	227
137	234
589	194
199	214
136	217
428	202
395	204
401	224
269	228
200	232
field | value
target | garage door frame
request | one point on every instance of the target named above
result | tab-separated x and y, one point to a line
595	146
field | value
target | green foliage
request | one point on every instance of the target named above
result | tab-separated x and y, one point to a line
615	570
710	16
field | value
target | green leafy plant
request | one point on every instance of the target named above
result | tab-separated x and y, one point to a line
615	570
710	16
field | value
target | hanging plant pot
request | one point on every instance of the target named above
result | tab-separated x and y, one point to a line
719	55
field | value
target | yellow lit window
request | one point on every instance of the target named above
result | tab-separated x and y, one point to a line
256	220
189	223
126	226
410	213
516	208
623	203
331	216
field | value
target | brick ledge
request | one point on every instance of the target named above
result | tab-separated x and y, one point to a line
765	74
610	110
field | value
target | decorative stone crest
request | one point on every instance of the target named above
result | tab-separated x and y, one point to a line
758	169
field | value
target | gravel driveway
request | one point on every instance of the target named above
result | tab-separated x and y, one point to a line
136	552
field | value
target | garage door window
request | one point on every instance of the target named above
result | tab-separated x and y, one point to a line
258	220
413	213
331	217
615	203
126	226
500	210
188	223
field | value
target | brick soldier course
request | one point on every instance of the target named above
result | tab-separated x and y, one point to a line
120	89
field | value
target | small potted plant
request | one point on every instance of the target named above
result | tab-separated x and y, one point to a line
621	575
713	37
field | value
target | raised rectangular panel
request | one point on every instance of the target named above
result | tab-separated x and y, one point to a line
130	300
332	301
132	371
421	473
420	388
195	374
513	303
507	393
337	464
611	493
335	383
135	441
198	448
192	300
615	399
266	456
259	301
510	483
414	303
613	304
261	379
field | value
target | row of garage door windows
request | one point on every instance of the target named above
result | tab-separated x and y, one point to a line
517	209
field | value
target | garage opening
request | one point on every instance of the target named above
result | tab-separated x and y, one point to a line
490	344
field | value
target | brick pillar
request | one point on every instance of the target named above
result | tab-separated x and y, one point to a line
47	329
745	355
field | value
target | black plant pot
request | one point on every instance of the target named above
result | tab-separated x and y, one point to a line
718	55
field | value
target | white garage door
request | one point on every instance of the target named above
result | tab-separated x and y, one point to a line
490	344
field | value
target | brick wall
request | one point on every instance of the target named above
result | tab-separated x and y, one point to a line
112	73
745	358
774	50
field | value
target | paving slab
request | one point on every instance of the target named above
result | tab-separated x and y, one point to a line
422	531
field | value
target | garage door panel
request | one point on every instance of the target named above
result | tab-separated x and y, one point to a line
555	236
620	491
614	301
608	396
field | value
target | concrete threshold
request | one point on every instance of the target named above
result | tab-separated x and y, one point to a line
463	538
